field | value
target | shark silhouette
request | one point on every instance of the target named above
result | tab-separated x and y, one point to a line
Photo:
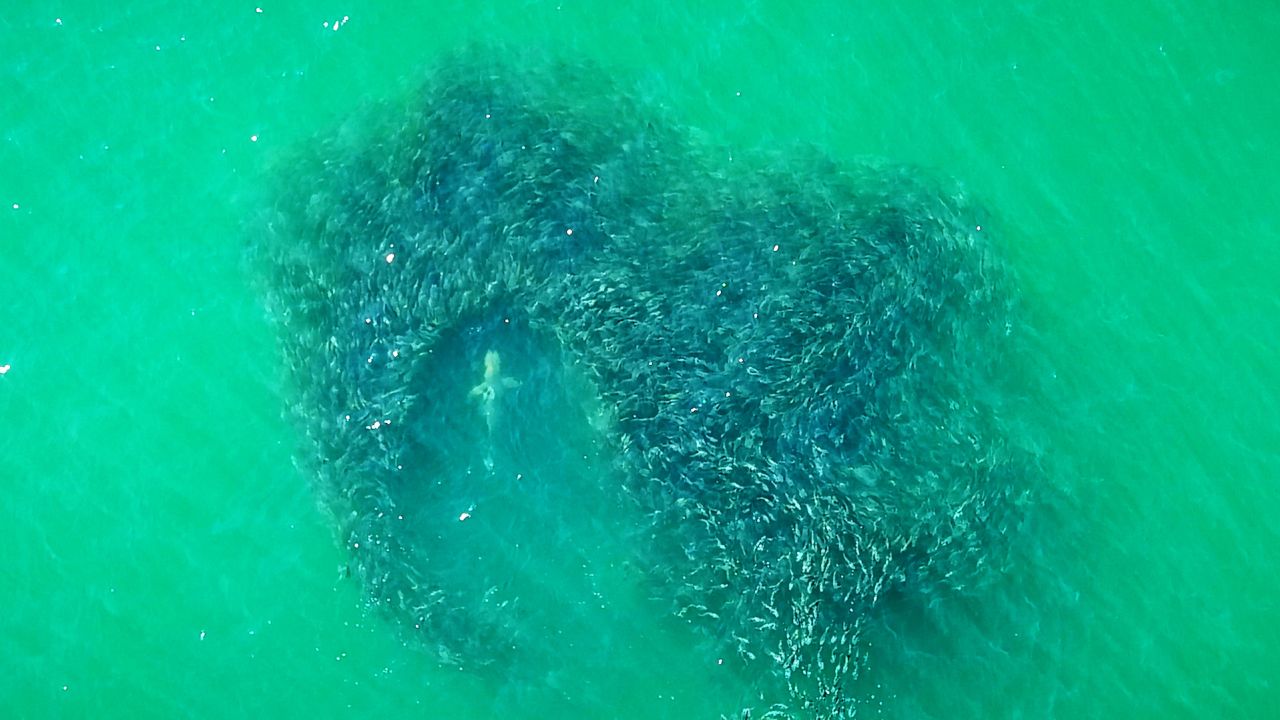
493	386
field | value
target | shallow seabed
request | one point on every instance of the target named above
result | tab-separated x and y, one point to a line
165	557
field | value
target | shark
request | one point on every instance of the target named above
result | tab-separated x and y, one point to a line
492	387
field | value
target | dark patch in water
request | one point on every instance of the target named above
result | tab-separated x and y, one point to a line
801	364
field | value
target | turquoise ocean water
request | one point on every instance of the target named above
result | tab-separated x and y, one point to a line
164	557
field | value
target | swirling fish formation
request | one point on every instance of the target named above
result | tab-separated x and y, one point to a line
801	362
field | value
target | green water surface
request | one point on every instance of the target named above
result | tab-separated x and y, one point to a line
163	557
